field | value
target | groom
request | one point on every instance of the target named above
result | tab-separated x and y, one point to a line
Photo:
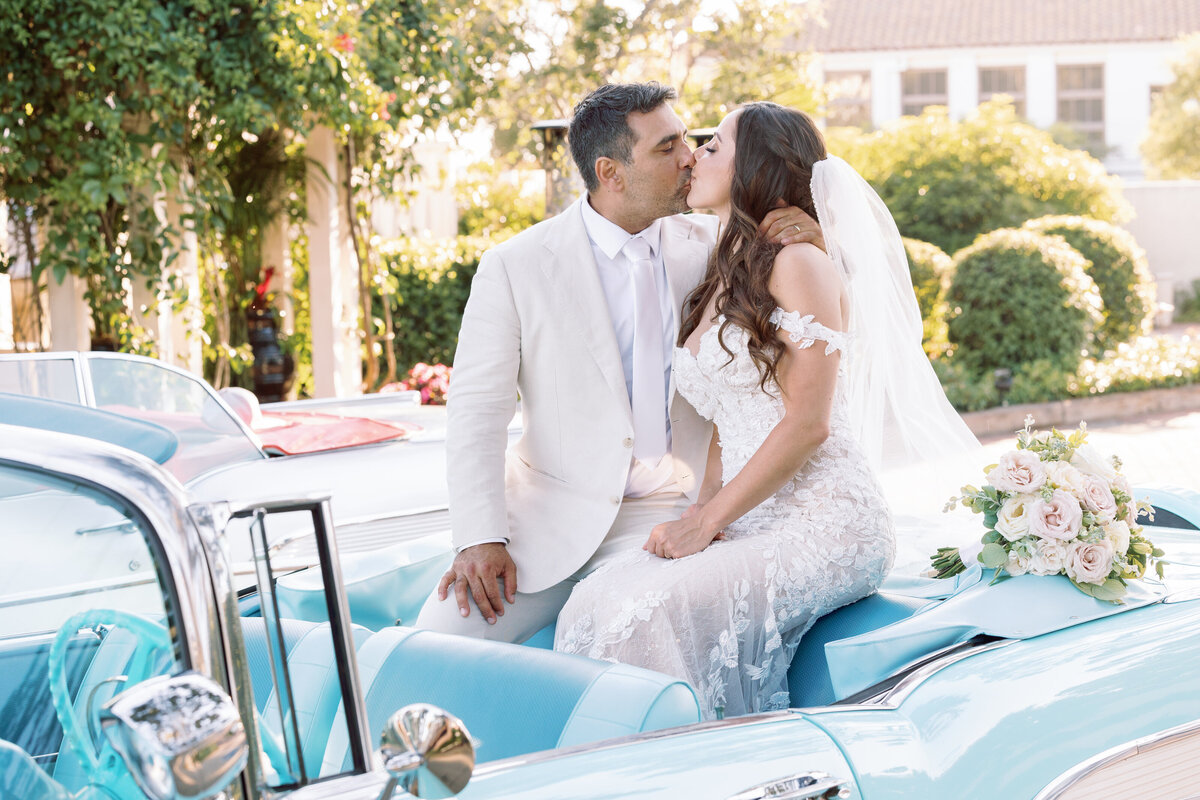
578	317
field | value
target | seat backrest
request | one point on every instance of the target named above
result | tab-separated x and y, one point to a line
21	777
312	670
513	699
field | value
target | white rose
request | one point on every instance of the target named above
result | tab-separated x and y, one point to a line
1018	562
1049	557
1098	499
1013	520
1118	533
1089	562
1018	472
1090	462
1065	477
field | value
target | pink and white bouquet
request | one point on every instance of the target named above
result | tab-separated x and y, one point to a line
1054	506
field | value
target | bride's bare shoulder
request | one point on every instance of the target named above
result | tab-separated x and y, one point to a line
803	273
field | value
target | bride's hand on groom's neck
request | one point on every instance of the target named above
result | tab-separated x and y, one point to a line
790	225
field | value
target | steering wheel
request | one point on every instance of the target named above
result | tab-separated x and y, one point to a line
152	644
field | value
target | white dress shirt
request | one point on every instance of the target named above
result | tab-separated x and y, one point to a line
616	279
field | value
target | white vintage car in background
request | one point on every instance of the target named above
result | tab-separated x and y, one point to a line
379	457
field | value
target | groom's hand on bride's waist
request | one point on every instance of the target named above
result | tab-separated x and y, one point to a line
485	572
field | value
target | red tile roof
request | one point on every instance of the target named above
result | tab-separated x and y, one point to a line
858	25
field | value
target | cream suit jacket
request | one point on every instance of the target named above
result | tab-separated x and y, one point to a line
537	325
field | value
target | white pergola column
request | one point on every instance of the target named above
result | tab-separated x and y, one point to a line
70	317
332	289
275	253
7	342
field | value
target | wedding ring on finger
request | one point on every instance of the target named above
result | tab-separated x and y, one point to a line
798	231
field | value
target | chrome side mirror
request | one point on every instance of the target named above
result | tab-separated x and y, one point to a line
180	736
427	751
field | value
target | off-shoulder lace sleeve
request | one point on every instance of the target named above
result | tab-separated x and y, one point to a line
804	330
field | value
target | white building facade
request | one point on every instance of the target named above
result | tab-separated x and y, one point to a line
1089	65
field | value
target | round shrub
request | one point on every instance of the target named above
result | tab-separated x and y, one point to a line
930	269
1019	296
1117	265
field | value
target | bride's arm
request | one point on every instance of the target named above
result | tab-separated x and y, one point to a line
712	470
803	279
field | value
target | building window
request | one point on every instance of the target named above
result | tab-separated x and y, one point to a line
921	88
849	99
1003	80
1081	101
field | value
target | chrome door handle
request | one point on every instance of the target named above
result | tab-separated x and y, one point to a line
809	786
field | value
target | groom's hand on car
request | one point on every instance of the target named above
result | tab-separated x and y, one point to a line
481	571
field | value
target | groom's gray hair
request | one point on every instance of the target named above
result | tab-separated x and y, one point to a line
599	126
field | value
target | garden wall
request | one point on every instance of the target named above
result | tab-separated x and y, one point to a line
1167	225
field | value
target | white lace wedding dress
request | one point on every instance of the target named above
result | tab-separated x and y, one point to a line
729	618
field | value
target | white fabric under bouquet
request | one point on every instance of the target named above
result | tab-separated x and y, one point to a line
1054	506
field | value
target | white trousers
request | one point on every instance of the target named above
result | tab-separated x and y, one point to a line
529	613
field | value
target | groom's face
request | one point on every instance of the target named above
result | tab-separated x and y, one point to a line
658	180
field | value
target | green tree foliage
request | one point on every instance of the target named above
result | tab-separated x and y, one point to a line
1171	145
110	107
1118	266
946	182
1019	297
714	58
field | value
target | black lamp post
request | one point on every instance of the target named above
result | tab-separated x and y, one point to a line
563	184
1002	379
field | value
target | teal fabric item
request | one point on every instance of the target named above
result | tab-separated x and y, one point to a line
513	699
21	777
151	440
809	681
383	587
1014	608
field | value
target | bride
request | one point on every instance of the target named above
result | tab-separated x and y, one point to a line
805	364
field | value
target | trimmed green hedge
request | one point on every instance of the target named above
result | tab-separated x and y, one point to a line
930	269
1118	266
1018	297
427	283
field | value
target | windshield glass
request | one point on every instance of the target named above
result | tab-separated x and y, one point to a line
51	378
209	436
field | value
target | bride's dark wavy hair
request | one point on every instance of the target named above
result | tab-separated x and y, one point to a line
774	152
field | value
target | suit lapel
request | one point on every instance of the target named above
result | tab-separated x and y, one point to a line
572	272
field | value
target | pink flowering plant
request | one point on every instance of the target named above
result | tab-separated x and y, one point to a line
1054	506
431	380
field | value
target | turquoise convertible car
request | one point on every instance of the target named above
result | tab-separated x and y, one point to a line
145	670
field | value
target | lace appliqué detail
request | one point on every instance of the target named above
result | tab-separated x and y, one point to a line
805	331
729	618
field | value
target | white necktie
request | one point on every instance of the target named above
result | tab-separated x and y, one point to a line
649	400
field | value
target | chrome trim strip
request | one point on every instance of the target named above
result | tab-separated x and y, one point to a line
1060	785
931	665
543	756
8	601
